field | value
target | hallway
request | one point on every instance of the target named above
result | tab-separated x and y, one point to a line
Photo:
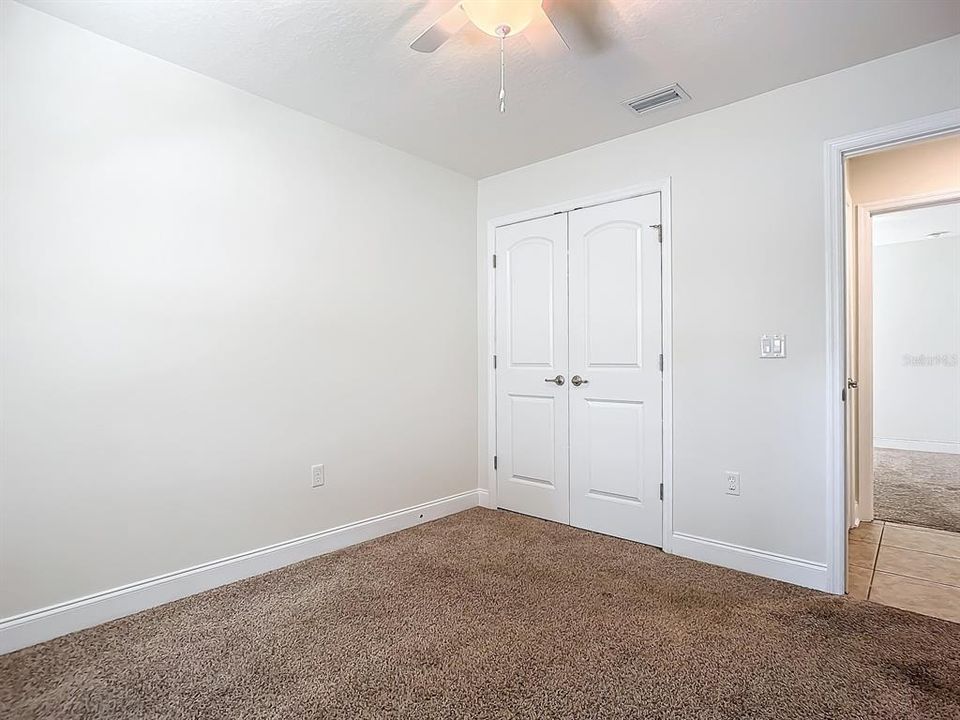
907	567
917	488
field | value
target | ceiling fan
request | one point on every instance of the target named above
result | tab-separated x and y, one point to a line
500	19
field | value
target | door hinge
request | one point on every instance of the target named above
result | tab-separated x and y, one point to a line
494	362
494	462
661	491
494	261
661	362
659	229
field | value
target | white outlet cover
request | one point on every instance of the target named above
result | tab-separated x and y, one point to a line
732	480
317	473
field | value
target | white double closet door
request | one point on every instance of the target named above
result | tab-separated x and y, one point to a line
579	382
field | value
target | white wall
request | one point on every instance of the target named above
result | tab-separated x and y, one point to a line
916	331
748	258
204	293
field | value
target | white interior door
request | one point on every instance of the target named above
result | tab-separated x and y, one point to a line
616	432
531	341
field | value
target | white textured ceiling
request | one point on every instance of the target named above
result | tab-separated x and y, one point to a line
348	62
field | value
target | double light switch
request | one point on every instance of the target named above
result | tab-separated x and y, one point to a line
773	346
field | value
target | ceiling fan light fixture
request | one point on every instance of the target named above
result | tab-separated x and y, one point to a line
501	18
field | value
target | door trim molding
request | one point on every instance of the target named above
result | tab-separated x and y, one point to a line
489	449
834	153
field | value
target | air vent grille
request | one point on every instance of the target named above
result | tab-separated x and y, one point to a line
658	99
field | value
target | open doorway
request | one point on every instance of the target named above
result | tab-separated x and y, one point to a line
902	227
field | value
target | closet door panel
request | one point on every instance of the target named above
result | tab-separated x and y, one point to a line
616	405
531	342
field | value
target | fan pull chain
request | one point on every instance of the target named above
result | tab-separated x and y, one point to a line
503	93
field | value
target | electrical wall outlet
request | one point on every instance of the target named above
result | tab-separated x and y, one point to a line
317	474
733	482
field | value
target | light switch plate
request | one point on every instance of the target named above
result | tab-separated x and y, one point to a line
773	346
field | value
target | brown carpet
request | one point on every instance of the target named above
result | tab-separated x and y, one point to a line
917	488
494	615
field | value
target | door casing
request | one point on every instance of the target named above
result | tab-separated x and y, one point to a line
489	398
835	247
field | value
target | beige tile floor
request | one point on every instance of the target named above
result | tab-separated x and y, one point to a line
908	567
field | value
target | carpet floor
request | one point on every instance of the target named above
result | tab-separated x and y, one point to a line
487	614
917	488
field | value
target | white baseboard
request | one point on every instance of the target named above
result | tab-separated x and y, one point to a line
484	496
758	562
933	446
47	623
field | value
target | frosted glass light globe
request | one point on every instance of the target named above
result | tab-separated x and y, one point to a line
501	18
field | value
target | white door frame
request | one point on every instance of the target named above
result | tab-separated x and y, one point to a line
834	153
666	291
865	212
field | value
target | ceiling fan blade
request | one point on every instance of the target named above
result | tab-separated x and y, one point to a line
544	36
443	29
581	24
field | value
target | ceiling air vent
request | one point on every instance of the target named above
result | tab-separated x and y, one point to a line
658	99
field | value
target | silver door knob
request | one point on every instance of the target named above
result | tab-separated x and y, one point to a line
577	381
558	380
